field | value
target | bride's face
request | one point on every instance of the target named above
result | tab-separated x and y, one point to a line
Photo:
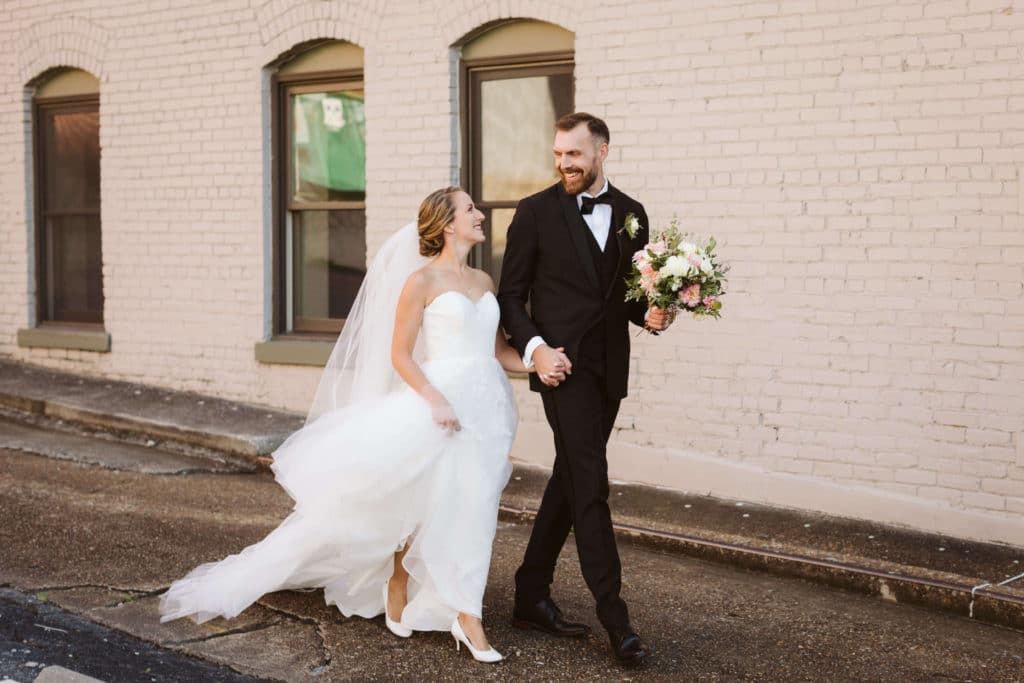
468	225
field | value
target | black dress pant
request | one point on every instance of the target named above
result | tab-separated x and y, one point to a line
581	416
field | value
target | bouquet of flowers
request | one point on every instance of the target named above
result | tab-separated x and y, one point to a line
677	272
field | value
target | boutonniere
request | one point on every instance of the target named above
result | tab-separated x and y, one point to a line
630	226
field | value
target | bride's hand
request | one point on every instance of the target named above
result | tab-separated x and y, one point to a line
444	415
440	409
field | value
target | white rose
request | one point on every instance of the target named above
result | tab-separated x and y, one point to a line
675	266
705	266
687	248
632	225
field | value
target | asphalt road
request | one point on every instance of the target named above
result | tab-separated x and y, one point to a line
101	543
35	635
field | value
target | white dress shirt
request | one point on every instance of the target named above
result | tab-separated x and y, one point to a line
599	222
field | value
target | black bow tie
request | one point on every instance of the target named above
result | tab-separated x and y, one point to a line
589	202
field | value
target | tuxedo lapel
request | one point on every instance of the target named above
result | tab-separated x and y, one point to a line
619	234
575	224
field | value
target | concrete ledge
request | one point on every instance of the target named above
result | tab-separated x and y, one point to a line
182	420
294	352
23	404
249	447
64	338
682	469
946	593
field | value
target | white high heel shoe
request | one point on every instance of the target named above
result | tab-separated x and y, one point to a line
489	656
394	626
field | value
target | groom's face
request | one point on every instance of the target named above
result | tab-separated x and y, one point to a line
579	158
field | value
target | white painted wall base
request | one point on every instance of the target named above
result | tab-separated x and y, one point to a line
695	473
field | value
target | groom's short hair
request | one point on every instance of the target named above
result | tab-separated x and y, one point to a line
597	127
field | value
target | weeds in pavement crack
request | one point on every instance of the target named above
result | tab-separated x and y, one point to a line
137	595
231	632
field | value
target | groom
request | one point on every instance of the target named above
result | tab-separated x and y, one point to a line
567	257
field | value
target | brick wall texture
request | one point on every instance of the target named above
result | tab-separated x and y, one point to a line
860	162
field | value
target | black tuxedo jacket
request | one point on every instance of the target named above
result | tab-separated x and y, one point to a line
549	266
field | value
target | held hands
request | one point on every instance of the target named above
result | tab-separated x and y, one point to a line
552	365
658	319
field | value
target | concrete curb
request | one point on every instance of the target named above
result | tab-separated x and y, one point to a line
22	404
898	584
252	448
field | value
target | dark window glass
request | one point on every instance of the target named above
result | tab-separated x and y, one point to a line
68	200
77	274
329	249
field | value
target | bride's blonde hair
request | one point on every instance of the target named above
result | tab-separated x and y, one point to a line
437	212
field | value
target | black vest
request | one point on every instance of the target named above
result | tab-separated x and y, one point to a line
606	261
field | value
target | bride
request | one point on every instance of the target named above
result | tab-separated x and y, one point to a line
398	471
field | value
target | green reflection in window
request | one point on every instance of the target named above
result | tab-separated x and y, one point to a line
328	146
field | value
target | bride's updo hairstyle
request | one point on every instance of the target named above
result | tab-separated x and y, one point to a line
437	212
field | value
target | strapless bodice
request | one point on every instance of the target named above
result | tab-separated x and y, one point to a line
455	326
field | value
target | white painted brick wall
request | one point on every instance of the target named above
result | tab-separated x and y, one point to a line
860	163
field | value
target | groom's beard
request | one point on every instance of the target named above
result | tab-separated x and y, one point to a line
584	180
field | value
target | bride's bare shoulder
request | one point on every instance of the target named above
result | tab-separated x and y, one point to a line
421	282
484	279
417	283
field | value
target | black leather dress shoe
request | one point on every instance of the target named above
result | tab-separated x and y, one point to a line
545	616
627	646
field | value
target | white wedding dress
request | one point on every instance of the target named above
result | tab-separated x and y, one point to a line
373	475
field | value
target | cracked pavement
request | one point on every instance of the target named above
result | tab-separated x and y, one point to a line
103	535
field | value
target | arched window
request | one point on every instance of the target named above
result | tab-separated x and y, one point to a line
69	267
320	193
517	79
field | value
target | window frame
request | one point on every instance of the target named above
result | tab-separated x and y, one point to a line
45	313
473	72
283	87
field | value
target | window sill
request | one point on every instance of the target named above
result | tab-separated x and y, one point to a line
283	351
56	337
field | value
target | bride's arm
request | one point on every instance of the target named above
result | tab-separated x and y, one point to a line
408	319
508	356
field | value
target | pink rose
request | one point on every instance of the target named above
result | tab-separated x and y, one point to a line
640	256
647	270
647	284
658	247
694	260
709	301
690	296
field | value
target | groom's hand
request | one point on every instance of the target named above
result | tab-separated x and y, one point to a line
552	365
658	319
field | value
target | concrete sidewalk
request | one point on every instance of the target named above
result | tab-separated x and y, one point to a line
948	574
